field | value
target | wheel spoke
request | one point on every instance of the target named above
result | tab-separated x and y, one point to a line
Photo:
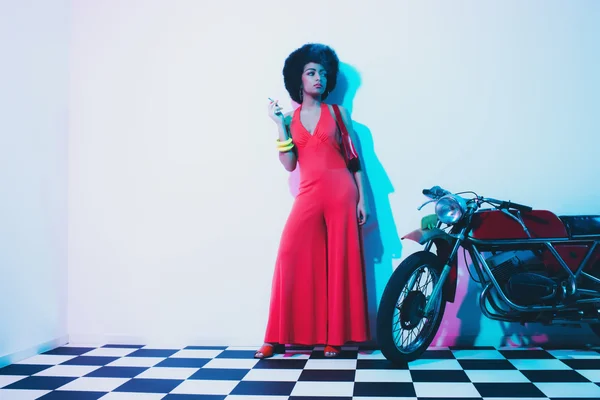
407	332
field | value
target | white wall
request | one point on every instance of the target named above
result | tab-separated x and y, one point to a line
177	198
33	176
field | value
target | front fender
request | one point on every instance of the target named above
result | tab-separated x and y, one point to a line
444	244
423	236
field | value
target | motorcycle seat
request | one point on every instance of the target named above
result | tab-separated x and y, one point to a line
582	225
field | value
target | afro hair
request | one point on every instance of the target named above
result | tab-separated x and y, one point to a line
294	67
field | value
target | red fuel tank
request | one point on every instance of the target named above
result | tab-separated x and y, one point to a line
495	225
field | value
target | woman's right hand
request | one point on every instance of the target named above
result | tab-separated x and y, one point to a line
275	112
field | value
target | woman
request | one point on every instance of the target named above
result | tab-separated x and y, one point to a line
318	292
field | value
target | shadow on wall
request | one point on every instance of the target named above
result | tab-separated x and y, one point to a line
380	236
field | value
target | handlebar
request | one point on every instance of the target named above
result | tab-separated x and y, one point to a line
515	206
507	204
437	192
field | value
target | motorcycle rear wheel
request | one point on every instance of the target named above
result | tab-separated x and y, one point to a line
407	316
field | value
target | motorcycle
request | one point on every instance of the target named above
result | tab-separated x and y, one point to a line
533	267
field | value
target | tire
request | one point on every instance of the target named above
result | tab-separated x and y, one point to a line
387	309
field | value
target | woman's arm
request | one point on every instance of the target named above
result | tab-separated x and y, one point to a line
358	175
287	159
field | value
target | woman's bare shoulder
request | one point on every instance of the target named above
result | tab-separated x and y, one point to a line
343	111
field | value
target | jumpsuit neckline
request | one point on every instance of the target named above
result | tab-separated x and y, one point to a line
316	125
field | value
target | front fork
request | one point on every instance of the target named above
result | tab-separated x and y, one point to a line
437	289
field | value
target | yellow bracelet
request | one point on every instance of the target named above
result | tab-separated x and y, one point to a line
286	148
285	143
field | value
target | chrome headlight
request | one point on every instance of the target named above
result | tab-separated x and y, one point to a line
450	209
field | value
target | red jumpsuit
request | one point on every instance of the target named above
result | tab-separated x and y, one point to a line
318	291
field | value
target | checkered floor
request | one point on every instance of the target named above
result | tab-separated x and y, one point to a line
141	372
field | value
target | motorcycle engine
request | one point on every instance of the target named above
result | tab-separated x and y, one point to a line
522	275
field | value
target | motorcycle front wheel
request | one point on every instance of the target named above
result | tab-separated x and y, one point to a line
403	331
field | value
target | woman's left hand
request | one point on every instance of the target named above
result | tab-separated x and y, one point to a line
361	212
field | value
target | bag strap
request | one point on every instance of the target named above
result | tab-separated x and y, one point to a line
345	136
339	120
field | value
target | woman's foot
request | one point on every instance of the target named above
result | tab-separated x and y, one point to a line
269	349
332	351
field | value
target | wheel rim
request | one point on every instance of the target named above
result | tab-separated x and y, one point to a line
410	327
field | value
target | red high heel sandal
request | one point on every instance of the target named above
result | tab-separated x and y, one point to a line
332	351
268	350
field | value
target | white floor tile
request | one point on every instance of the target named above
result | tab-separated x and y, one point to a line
425	364
244	348
519	348
560	389
478	355
449	390
196	354
574	354
324	389
385	375
167	373
159	346
331	364
94	384
496	376
525	364
6	380
132	396
72	371
515	398
110	352
46	359
205	387
371	355
241	397
293	355
273	375
9	394
591	374
231	363
136	362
